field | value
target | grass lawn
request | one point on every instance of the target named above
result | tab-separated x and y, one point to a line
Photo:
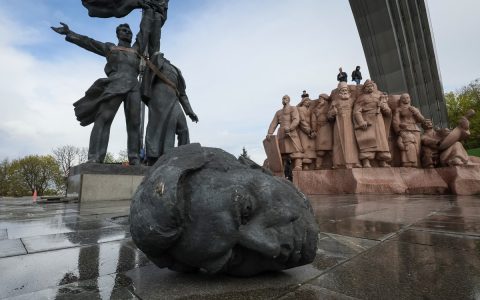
474	152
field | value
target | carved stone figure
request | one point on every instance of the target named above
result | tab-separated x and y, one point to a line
164	93
200	209
408	116
370	128
443	147
452	151
407	143
430	142
104	97
345	151
290	146
323	129
305	132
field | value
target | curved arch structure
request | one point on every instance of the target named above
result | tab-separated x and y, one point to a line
400	52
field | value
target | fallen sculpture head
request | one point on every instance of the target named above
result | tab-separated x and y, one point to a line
200	209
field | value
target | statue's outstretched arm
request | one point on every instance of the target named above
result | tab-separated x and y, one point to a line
83	41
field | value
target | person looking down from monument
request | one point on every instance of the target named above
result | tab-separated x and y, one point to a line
357	75
342	76
104	97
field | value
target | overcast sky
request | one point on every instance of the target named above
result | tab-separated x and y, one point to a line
238	58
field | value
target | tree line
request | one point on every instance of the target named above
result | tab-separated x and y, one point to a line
47	174
468	97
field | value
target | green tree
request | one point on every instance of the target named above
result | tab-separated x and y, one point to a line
34	172
459	102
66	157
4	178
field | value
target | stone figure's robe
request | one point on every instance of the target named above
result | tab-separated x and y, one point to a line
345	150
322	127
305	127
368	108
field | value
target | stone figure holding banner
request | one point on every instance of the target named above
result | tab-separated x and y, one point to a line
154	16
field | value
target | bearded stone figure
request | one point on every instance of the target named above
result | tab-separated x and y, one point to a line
345	151
369	113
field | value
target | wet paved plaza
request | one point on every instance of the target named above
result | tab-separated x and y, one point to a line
370	247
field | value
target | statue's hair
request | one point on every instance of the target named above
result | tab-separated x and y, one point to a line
122	25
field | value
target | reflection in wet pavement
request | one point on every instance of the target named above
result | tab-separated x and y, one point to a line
370	247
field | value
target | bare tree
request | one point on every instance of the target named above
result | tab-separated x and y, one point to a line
66	156
82	155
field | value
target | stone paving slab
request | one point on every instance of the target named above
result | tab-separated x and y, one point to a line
75	239
441	239
39	271
396	270
370	247
361	229
102	287
3	234
11	248
312	292
48	229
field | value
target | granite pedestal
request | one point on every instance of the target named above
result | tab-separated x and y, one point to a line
460	180
94	182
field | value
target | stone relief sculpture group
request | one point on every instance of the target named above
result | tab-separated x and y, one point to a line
358	126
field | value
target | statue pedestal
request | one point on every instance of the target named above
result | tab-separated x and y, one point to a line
462	180
94	182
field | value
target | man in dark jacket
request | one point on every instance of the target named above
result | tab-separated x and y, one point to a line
357	75
342	76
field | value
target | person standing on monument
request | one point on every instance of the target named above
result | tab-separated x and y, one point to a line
288	141
104	97
357	75
370	131
342	76
345	150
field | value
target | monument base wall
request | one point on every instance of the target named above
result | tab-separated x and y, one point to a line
99	182
460	180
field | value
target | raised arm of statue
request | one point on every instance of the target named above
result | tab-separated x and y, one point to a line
83	41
